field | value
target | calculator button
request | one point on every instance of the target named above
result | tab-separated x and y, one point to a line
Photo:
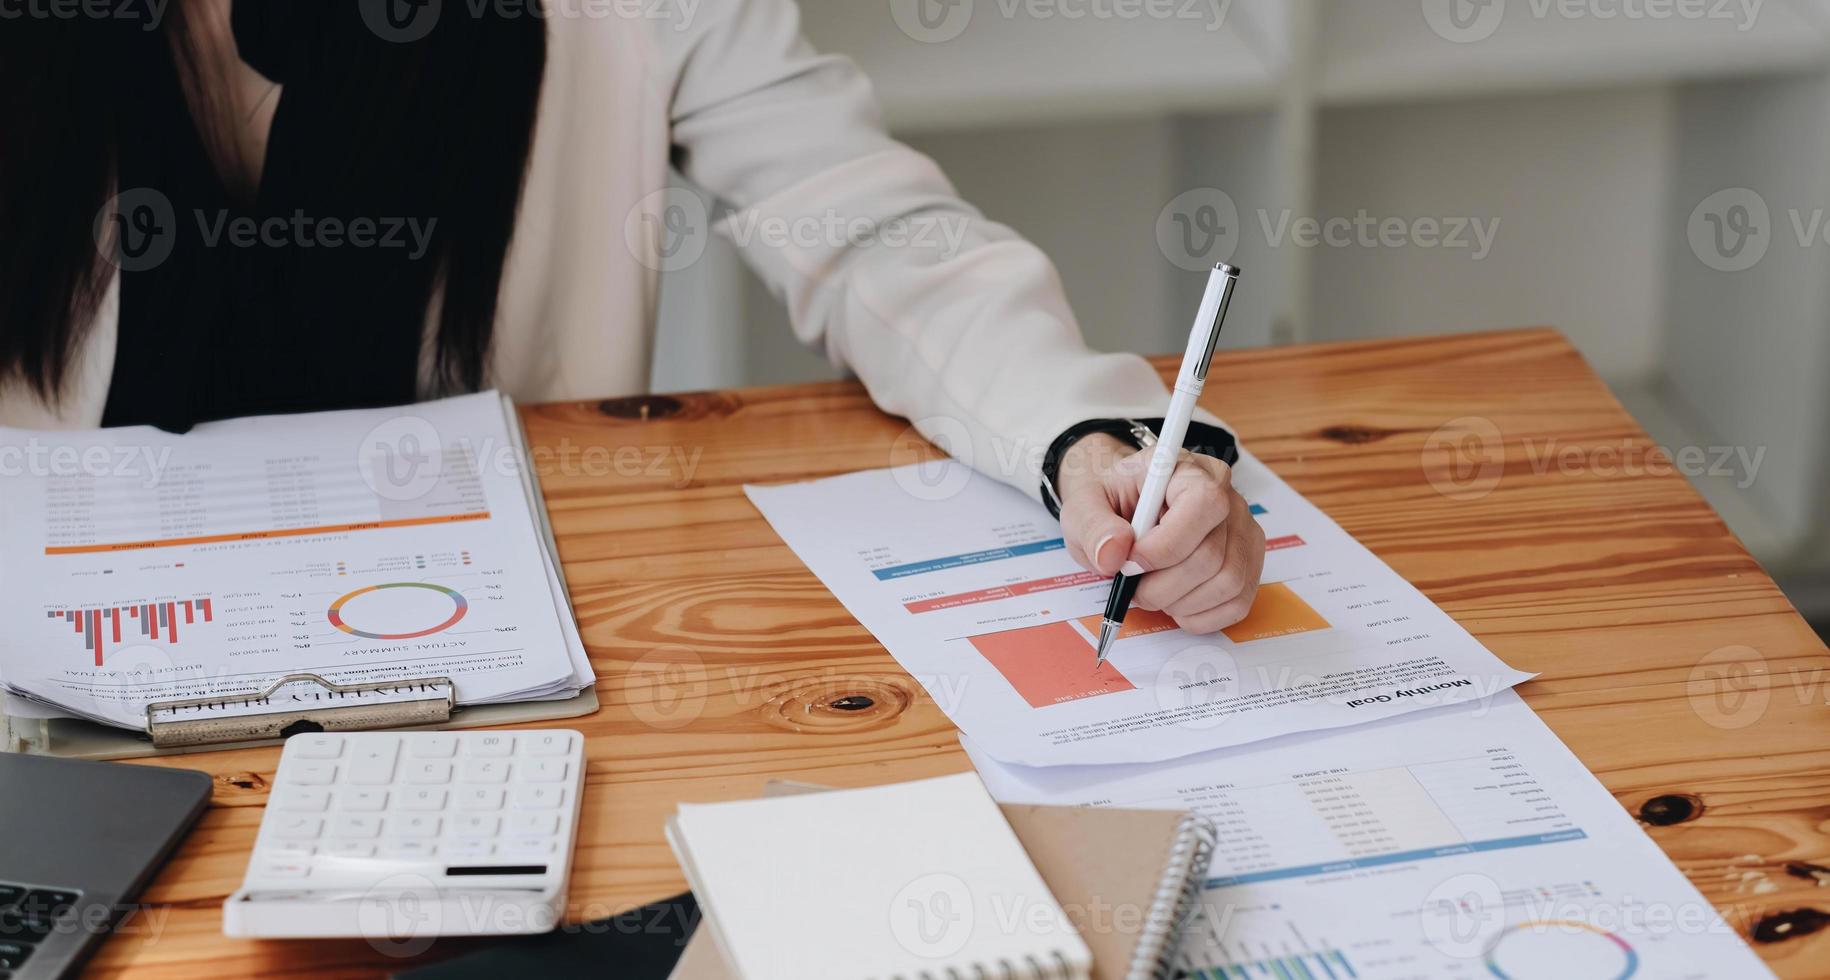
468	850
432	746
489	746
315	746
476	825
355	825
14	953
543	770
373	762
283	869
417	825
485	771
546	743
408	849
527	846
302	798
428	773
349	849
421	799
288	849
538	797
533	823
311	773
362	799
480	798
289	827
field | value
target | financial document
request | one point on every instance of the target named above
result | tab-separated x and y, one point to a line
1466	841
969	585
362	546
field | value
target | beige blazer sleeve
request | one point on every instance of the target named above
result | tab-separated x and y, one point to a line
949	319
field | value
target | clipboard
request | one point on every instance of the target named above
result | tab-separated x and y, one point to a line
290	705
340	707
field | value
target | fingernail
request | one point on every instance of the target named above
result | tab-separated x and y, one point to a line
1099	549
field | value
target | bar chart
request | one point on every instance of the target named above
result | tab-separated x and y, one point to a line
159	620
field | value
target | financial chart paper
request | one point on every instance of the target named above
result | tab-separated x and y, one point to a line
969	585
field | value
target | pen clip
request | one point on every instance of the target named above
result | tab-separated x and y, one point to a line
1225	277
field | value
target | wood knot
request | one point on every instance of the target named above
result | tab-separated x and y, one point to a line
835	705
1789	924
250	782
647	408
1354	435
1671	808
1815	873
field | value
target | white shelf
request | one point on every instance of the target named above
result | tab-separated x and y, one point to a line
1381	50
1008	66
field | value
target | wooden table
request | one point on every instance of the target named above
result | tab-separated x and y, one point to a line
1488	469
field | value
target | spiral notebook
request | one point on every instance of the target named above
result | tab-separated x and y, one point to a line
1102	865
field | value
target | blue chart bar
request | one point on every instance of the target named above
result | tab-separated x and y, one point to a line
971	558
1329	964
1398	857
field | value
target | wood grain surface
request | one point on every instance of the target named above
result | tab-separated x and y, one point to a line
1493	470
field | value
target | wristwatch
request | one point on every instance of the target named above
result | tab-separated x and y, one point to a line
1207	440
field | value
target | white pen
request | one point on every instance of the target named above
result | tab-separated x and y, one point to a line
1189	382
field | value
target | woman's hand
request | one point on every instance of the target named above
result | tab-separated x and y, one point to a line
1202	561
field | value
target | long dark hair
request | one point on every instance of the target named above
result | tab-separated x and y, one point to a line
435	122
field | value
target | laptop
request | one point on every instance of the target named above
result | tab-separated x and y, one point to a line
82	839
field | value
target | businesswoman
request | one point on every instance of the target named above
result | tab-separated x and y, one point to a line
217	208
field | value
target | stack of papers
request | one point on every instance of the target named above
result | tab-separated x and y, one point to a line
1386	806
361	546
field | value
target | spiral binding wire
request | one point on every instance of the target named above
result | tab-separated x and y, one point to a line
1030	969
1178	897
1175	901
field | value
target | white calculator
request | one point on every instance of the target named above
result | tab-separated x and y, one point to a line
399	837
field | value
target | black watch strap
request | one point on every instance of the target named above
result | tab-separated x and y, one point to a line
1207	440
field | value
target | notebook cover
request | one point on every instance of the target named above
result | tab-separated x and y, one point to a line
1105	867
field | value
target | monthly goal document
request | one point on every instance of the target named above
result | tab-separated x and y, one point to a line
361	546
1466	841
969	585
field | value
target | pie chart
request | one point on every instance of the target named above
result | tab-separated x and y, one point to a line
1560	948
398	611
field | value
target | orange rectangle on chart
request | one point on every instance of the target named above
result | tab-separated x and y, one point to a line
1278	611
1049	664
1138	622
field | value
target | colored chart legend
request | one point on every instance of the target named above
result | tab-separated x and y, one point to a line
150	621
